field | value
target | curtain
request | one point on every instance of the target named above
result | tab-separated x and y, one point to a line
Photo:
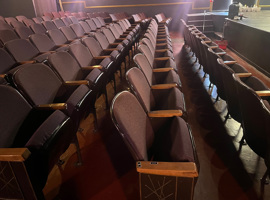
42	6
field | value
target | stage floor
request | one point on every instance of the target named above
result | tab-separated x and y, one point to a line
259	20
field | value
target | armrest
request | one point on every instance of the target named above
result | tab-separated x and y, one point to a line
27	62
203	37
92	67
78	82
231	62
180	169
62	45
220	53
263	93
164	86
161	50
162	35
101	57
161	44
213	47
162	58
14	154
207	41
52	106
165	113
111	49
2	75
165	69
120	39
161	40
115	43
243	75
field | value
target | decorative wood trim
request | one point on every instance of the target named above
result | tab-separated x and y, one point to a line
165	113
179	169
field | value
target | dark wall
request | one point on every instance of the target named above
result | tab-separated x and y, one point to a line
11	8
221	4
171	8
247	2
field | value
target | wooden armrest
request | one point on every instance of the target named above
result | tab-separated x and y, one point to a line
14	154
243	75
161	50
111	49
263	93
165	69
203	37
207	41
213	47
52	106
115	44
164	86
27	62
124	34
162	35
101	57
221	53
62	45
78	82
161	40
180	169
230	62
161	44
92	67
162	58
165	113
120	39
2	75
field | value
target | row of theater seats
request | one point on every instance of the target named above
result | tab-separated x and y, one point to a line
247	97
49	83
154	127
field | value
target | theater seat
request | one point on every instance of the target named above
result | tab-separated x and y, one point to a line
156	98
45	134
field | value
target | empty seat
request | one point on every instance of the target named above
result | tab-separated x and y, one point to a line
73	19
7	35
46	135
49	25
10	19
23	32
4	26
92	25
20	18
37	20
174	143
23	51
15	24
66	21
157	62
155	99
256	120
44	44
28	22
56	15
159	76
58	23
59	38
38	28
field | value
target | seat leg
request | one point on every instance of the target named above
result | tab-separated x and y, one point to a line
76	142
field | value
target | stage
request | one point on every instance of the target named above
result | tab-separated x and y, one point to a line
250	39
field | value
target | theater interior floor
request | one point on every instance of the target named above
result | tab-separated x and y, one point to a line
108	170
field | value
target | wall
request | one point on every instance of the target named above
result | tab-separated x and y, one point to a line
176	9
221	4
11	8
